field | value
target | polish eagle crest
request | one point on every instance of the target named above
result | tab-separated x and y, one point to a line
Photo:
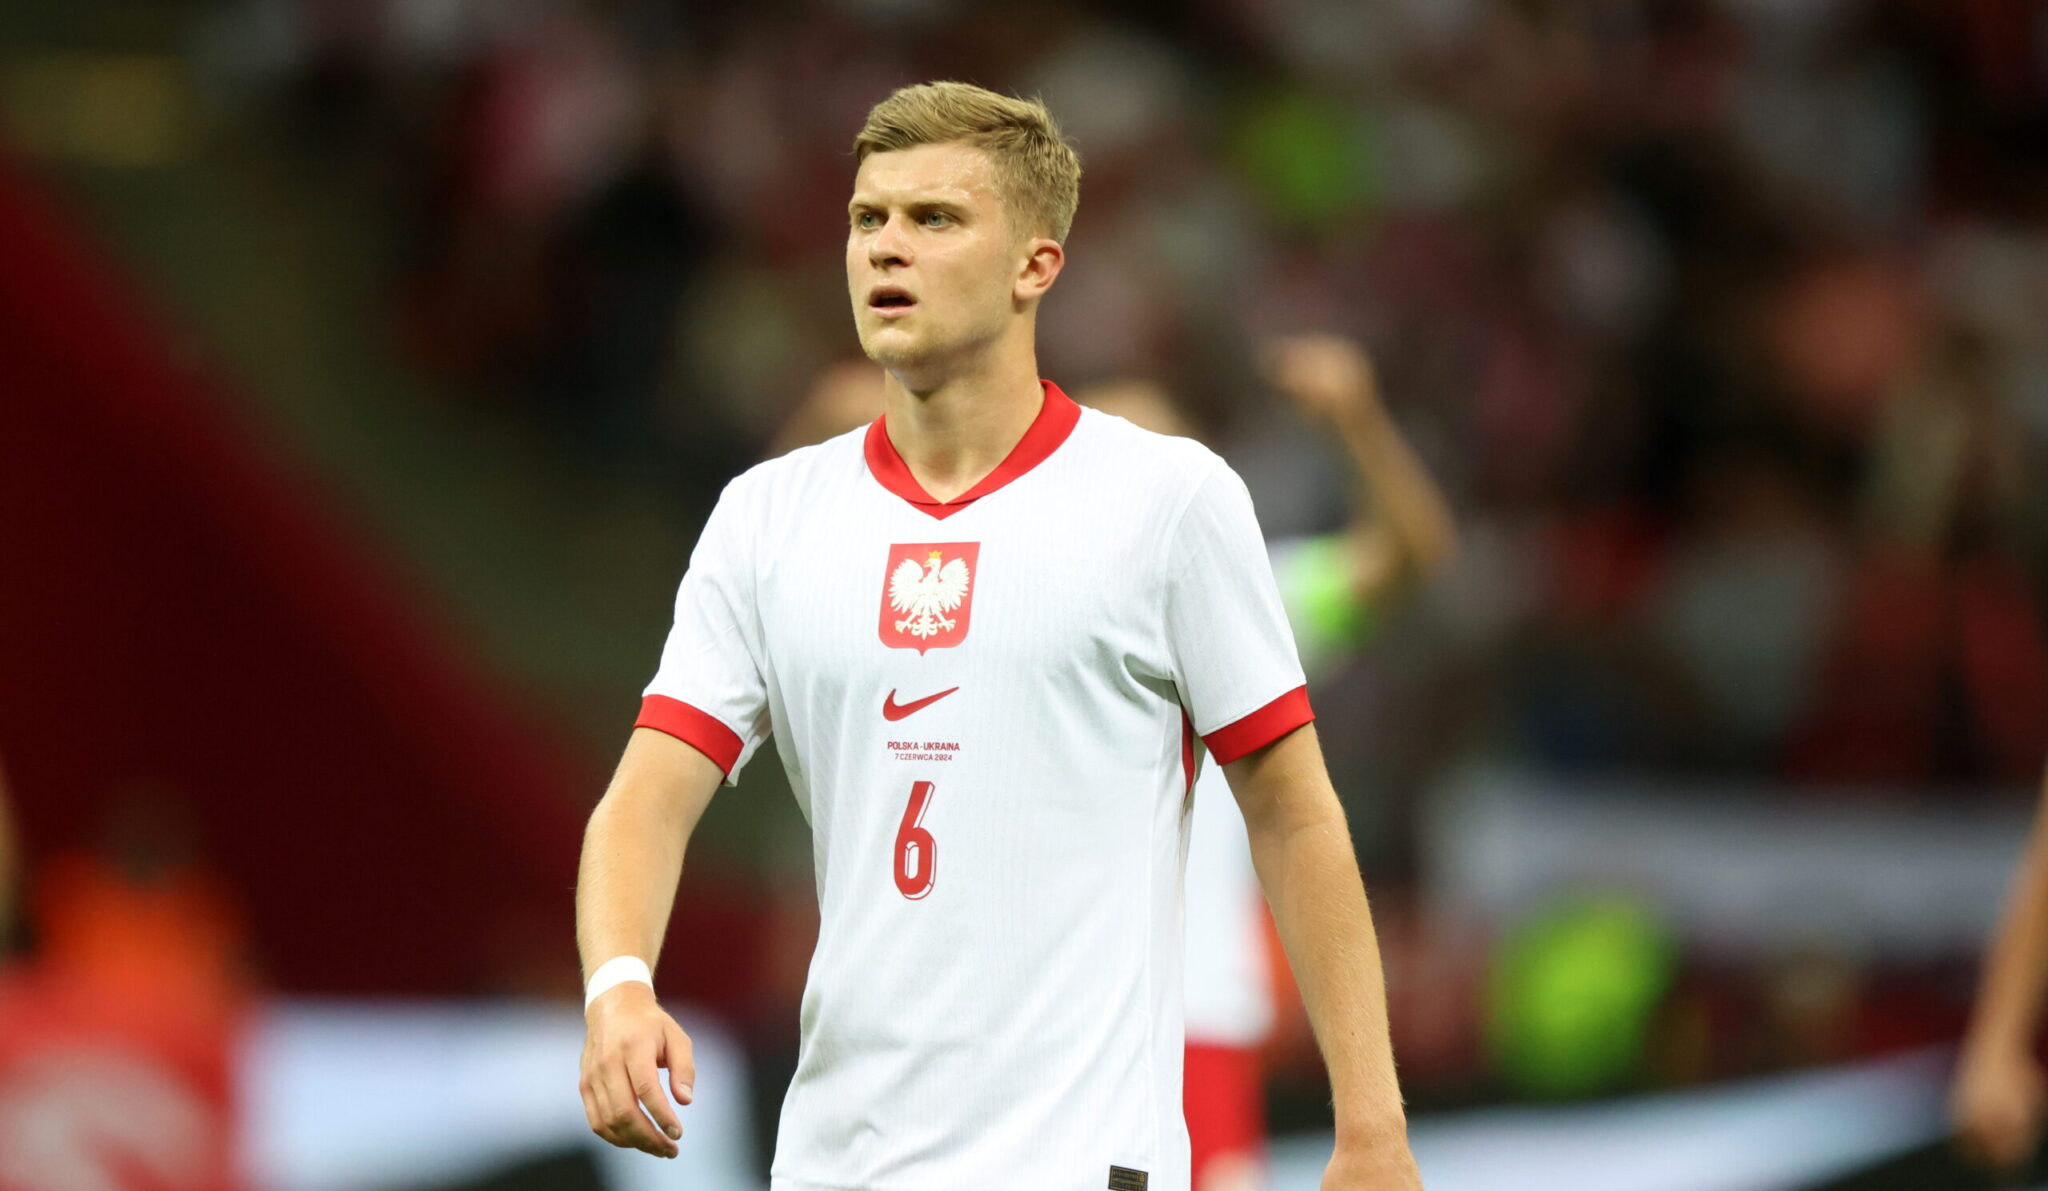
924	595
928	594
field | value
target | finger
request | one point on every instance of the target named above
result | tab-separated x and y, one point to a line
680	1057
600	1105
590	1110
647	1092
624	1115
591	1085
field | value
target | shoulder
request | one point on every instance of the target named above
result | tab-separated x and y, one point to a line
1176	476
1173	466
789	479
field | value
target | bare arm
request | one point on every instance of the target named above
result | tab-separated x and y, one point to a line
633	847
1301	847
1998	1099
632	859
1401	530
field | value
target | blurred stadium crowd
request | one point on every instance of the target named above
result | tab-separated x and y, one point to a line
1724	324
1723	321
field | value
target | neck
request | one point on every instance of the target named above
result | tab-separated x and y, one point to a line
954	432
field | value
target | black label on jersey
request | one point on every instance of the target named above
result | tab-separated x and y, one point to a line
1123	1178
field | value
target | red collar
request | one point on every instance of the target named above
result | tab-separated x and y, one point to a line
1056	417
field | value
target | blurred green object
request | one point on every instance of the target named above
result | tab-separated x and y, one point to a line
1330	621
1309	160
1572	994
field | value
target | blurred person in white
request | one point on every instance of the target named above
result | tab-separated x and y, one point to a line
1336	588
1999	1100
1017	1024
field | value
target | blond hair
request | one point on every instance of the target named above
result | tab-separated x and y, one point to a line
1038	172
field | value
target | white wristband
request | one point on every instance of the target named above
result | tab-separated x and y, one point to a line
614	972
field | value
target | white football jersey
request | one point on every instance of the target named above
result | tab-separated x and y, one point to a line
991	711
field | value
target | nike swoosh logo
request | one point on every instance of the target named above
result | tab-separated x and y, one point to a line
892	710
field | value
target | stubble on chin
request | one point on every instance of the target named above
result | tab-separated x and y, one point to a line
892	352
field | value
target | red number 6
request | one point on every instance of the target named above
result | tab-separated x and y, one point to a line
915	845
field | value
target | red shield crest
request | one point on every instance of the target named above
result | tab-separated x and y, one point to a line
927	594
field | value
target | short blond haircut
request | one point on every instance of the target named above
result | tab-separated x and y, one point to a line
1039	173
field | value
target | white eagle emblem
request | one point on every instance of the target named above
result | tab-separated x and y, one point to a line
925	596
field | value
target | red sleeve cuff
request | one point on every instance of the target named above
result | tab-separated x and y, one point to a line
695	728
1253	732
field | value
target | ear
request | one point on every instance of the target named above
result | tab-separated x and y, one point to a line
1042	264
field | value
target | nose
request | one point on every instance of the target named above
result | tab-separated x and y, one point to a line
889	246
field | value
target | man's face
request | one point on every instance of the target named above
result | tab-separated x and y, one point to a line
932	261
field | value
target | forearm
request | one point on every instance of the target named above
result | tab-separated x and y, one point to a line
1310	875
633	848
1395	496
626	883
2009	1003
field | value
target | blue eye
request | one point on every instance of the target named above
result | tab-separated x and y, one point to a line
935	219
865	221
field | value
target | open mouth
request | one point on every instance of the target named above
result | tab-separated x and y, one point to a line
890	297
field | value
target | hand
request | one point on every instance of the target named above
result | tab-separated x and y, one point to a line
629	1035
1997	1107
1384	1167
1326	376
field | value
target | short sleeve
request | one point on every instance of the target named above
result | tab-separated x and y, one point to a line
1235	663
709	692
